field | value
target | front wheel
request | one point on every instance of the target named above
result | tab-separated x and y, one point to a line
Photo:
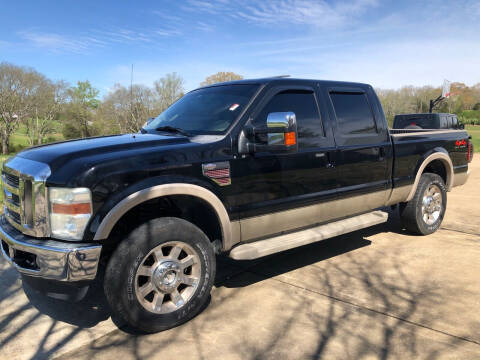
161	274
424	213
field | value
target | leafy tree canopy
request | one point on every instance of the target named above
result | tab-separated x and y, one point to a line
221	76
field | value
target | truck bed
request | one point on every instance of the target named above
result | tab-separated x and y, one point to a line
411	146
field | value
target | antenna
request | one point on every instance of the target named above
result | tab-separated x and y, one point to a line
131	94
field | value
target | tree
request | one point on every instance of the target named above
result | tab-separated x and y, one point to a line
221	77
18	85
126	109
169	89
409	99
47	105
80	110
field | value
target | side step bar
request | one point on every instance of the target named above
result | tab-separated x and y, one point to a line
279	243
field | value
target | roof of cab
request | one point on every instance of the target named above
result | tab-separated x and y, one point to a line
285	80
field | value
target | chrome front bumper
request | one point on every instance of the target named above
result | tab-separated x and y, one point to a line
46	258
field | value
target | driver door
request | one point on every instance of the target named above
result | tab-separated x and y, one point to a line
281	192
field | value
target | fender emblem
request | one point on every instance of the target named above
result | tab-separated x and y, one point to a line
218	172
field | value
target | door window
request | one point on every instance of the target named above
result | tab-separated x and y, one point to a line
304	105
353	113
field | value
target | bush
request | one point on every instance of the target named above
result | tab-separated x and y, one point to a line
469	117
15	148
50	139
71	132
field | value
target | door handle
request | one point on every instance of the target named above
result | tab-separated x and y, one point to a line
381	154
322	155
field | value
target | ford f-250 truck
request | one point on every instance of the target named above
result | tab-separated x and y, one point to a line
247	168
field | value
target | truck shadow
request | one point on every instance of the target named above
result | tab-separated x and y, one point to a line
94	307
394	294
323	300
306	255
87	313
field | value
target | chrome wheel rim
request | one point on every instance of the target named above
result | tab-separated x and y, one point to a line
431	204
167	277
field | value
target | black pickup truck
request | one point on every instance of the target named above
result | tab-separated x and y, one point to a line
246	168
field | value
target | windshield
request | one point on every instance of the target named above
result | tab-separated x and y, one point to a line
206	111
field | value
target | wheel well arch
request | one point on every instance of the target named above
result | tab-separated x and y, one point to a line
438	163
191	202
437	167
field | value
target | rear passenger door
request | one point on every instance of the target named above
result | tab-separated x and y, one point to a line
364	148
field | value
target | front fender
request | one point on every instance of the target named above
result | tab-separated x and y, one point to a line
119	203
157	191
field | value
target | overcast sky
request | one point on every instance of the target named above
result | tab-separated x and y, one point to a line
385	43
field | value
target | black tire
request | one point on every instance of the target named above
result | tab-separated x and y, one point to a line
121	273
411	212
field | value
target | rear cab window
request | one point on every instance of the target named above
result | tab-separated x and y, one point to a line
354	116
353	113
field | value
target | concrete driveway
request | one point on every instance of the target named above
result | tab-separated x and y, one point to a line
373	294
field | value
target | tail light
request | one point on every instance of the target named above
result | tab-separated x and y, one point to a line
469	151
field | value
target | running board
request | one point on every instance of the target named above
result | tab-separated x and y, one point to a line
279	243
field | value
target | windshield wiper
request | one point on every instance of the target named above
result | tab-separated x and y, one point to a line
173	130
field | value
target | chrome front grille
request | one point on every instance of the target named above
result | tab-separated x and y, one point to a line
11	188
24	196
13	215
11	180
11	197
14	200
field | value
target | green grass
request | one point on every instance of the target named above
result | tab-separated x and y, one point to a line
474	131
19	140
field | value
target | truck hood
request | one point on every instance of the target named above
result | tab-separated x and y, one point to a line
57	154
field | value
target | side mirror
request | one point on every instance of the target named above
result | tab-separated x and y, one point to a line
149	120
281	130
279	135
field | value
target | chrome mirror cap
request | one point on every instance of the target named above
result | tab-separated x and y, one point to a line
278	123
281	120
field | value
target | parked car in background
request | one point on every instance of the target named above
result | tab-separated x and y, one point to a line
427	121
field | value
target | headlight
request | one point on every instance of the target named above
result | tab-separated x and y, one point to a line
70	210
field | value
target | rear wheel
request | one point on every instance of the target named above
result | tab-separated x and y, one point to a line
424	213
161	275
